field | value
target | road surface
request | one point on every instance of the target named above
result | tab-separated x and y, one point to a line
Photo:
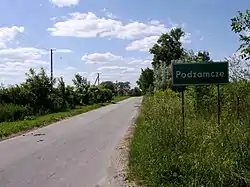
71	153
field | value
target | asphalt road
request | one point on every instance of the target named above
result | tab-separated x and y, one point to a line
71	153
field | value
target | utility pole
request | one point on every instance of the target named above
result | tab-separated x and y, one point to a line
51	66
116	85
98	78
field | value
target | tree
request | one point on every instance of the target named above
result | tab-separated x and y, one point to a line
202	56
238	68
205	91
109	85
135	92
79	81
123	88
167	48
146	80
39	87
81	85
241	24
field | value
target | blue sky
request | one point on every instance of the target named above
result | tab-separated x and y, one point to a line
107	36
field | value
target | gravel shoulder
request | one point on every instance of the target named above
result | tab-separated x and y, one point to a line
117	171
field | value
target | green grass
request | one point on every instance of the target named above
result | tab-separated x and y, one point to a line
206	156
120	98
8	129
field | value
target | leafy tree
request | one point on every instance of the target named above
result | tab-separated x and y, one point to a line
79	81
238	68
201	93
81	85
123	88
168	47
36	96
146	80
202	56
39	86
241	24
109	85
135	92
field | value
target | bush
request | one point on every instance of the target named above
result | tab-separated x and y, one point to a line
37	93
12	112
207	155
135	92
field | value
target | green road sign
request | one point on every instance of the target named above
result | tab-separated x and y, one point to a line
200	73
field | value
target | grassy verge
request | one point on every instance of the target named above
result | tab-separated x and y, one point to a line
8	129
206	156
120	98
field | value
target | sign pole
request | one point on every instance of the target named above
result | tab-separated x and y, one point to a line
219	109
184	74
183	114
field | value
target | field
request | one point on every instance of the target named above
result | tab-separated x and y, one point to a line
205	154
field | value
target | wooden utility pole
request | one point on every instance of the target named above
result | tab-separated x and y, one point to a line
51	66
97	79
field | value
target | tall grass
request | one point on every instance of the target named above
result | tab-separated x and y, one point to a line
12	112
207	155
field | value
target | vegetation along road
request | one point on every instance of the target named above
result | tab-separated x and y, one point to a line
74	152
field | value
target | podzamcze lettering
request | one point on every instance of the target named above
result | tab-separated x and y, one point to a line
200	73
192	74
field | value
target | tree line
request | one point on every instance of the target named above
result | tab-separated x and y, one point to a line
39	95
168	49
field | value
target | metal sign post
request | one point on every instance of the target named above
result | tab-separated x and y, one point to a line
183	111
200	74
218	91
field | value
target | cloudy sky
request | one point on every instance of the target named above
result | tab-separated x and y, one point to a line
111	37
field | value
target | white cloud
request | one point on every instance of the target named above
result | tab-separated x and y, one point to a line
90	25
14	63
136	30
102	58
146	43
64	3
139	62
186	38
117	73
142	45
123	69
8	34
64	51
22	53
117	67
110	58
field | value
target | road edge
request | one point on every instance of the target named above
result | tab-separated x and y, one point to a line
117	171
55	121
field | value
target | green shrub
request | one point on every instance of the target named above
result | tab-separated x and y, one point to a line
42	96
206	155
12	112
